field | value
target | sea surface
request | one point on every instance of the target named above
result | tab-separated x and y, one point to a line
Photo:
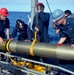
13	16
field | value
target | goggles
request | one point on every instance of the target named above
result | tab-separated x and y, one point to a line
20	26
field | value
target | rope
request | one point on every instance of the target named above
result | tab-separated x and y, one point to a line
48	6
51	15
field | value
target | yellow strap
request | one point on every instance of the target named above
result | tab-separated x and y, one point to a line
7	45
32	45
14	62
8	50
35	35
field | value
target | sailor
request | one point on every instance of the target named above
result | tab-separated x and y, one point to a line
22	30
4	26
68	13
23	33
41	24
67	26
66	32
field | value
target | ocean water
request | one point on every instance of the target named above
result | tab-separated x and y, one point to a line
13	16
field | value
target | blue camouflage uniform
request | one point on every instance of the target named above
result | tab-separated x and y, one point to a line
24	34
43	24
